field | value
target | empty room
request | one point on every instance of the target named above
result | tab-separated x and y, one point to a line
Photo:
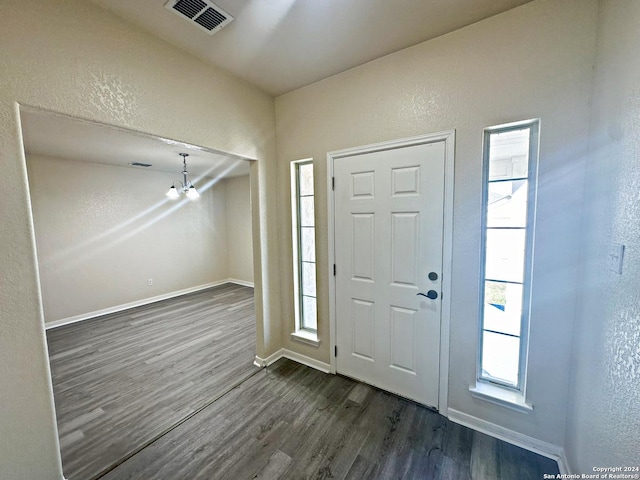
304	239
176	327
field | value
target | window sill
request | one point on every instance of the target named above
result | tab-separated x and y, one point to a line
501	396
303	336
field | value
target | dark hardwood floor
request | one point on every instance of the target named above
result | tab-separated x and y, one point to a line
122	380
168	392
290	421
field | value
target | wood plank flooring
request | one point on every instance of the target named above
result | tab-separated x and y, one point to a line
121	380
292	422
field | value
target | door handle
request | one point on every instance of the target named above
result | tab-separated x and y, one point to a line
432	294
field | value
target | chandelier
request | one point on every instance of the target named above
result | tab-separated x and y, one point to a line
186	186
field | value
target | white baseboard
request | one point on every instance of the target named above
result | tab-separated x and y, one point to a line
296	357
563	464
265	362
243	283
304	360
136	303
545	449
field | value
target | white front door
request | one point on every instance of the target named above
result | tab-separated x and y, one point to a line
389	208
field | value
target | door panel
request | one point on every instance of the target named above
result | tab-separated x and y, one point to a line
363	245
403	334
363	328
404	248
389	230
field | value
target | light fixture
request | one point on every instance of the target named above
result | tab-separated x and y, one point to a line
186	186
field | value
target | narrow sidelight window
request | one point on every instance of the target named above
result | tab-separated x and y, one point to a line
304	245
509	194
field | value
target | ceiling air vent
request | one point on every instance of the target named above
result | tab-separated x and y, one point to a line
203	14
140	164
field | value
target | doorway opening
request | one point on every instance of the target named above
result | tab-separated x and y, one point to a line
148	302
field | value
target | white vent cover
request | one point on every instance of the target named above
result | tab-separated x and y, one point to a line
205	15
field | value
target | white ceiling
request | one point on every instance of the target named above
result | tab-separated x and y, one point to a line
281	45
55	135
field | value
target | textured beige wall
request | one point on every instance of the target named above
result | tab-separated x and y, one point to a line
103	231
75	58
604	417
238	228
532	61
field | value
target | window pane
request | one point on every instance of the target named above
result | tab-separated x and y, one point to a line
502	307
509	154
507	204
505	255
306	179
304	242
309	319
306	212
506	229
308	244
309	279
500	357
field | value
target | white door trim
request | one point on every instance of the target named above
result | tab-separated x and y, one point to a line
447	244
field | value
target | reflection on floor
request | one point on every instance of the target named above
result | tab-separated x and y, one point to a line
121	380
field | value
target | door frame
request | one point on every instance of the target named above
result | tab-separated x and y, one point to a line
448	137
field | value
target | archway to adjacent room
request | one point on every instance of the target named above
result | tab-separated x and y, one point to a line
148	301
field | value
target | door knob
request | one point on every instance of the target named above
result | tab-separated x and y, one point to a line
433	276
432	294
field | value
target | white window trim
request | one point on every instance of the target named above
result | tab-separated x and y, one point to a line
485	389
299	334
306	336
502	396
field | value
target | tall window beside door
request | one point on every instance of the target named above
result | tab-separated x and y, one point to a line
304	247
510	167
